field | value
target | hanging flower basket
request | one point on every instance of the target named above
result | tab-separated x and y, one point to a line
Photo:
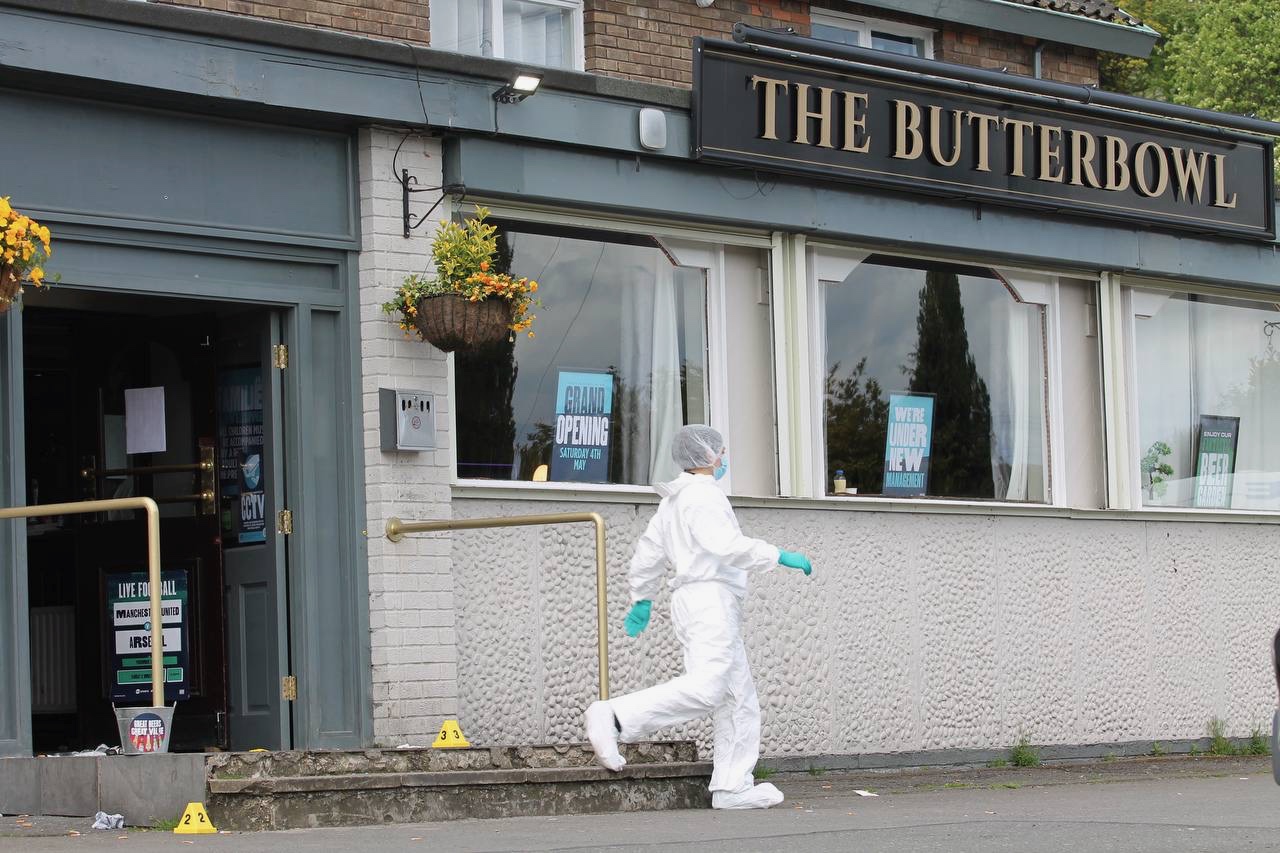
453	322
9	287
24	249
471	300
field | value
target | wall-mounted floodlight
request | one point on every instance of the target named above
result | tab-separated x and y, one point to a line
518	89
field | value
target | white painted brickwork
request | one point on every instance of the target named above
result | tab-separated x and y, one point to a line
411	600
916	631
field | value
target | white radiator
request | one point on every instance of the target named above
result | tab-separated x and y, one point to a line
53	660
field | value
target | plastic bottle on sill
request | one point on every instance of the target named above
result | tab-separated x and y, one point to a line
839	485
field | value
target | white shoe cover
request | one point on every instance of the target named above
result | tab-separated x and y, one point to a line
761	796
603	735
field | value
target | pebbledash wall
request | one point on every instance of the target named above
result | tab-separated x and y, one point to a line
918	630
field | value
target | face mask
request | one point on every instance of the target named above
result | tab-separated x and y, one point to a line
723	467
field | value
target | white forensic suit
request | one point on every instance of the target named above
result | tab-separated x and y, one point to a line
695	530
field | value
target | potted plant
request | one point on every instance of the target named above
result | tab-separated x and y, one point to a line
1155	469
24	249
468	302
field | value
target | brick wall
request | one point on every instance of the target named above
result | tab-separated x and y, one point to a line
414	644
402	20
988	49
653	41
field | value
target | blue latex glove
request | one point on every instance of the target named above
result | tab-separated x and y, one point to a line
638	618
792	560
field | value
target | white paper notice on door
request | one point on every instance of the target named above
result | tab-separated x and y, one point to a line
144	420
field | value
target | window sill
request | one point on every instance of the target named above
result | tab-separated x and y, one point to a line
521	490
493	490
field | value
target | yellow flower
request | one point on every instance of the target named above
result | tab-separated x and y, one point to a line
37	276
5	209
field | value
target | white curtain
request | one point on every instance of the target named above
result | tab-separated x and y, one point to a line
665	413
461	25
1019	360
649	407
1011	360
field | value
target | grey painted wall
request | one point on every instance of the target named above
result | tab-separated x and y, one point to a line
916	631
107	164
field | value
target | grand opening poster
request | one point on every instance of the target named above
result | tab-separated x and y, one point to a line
584	413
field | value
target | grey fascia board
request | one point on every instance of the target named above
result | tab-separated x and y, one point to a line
355	90
1046	24
667	190
212	25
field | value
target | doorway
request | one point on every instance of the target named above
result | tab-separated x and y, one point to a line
177	400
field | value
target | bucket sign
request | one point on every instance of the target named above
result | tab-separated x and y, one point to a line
147	732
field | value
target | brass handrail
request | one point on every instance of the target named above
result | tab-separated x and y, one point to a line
153	565
396	530
204	466
205	497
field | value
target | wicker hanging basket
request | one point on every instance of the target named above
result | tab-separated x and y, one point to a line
452	322
9	287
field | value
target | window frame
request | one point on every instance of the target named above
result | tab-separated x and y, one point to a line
690	246
800	364
1122	336
864	27
498	35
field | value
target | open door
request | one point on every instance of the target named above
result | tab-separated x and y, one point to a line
251	483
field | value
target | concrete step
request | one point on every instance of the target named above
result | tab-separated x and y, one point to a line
293	790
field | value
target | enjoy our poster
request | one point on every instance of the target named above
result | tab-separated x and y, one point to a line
1216	460
584	413
907	444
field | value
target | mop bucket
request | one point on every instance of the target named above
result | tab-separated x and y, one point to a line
144	731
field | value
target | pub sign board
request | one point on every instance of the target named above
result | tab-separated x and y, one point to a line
785	114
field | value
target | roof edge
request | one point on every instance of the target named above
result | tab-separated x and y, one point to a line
1018	19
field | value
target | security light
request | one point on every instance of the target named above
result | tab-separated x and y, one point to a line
518	89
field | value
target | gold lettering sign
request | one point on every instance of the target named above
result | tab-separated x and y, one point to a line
925	134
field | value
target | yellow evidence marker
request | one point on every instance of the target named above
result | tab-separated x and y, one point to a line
450	736
195	821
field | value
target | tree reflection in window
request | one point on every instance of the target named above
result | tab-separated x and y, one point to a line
957	333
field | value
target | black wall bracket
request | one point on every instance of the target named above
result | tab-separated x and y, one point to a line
408	186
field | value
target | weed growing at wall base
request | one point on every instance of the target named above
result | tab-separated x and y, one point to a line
1022	755
1258	743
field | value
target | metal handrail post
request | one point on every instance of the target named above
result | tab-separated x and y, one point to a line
396	530
153	565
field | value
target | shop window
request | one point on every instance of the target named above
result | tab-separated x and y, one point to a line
621	335
537	32
840	28
1207	390
963	356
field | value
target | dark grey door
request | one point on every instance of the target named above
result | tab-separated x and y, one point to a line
251	491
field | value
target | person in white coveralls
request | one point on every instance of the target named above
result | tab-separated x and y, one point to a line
696	531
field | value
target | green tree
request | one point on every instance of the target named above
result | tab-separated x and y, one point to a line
857	417
942	365
1219	55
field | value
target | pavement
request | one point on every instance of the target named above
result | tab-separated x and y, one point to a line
1131	805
